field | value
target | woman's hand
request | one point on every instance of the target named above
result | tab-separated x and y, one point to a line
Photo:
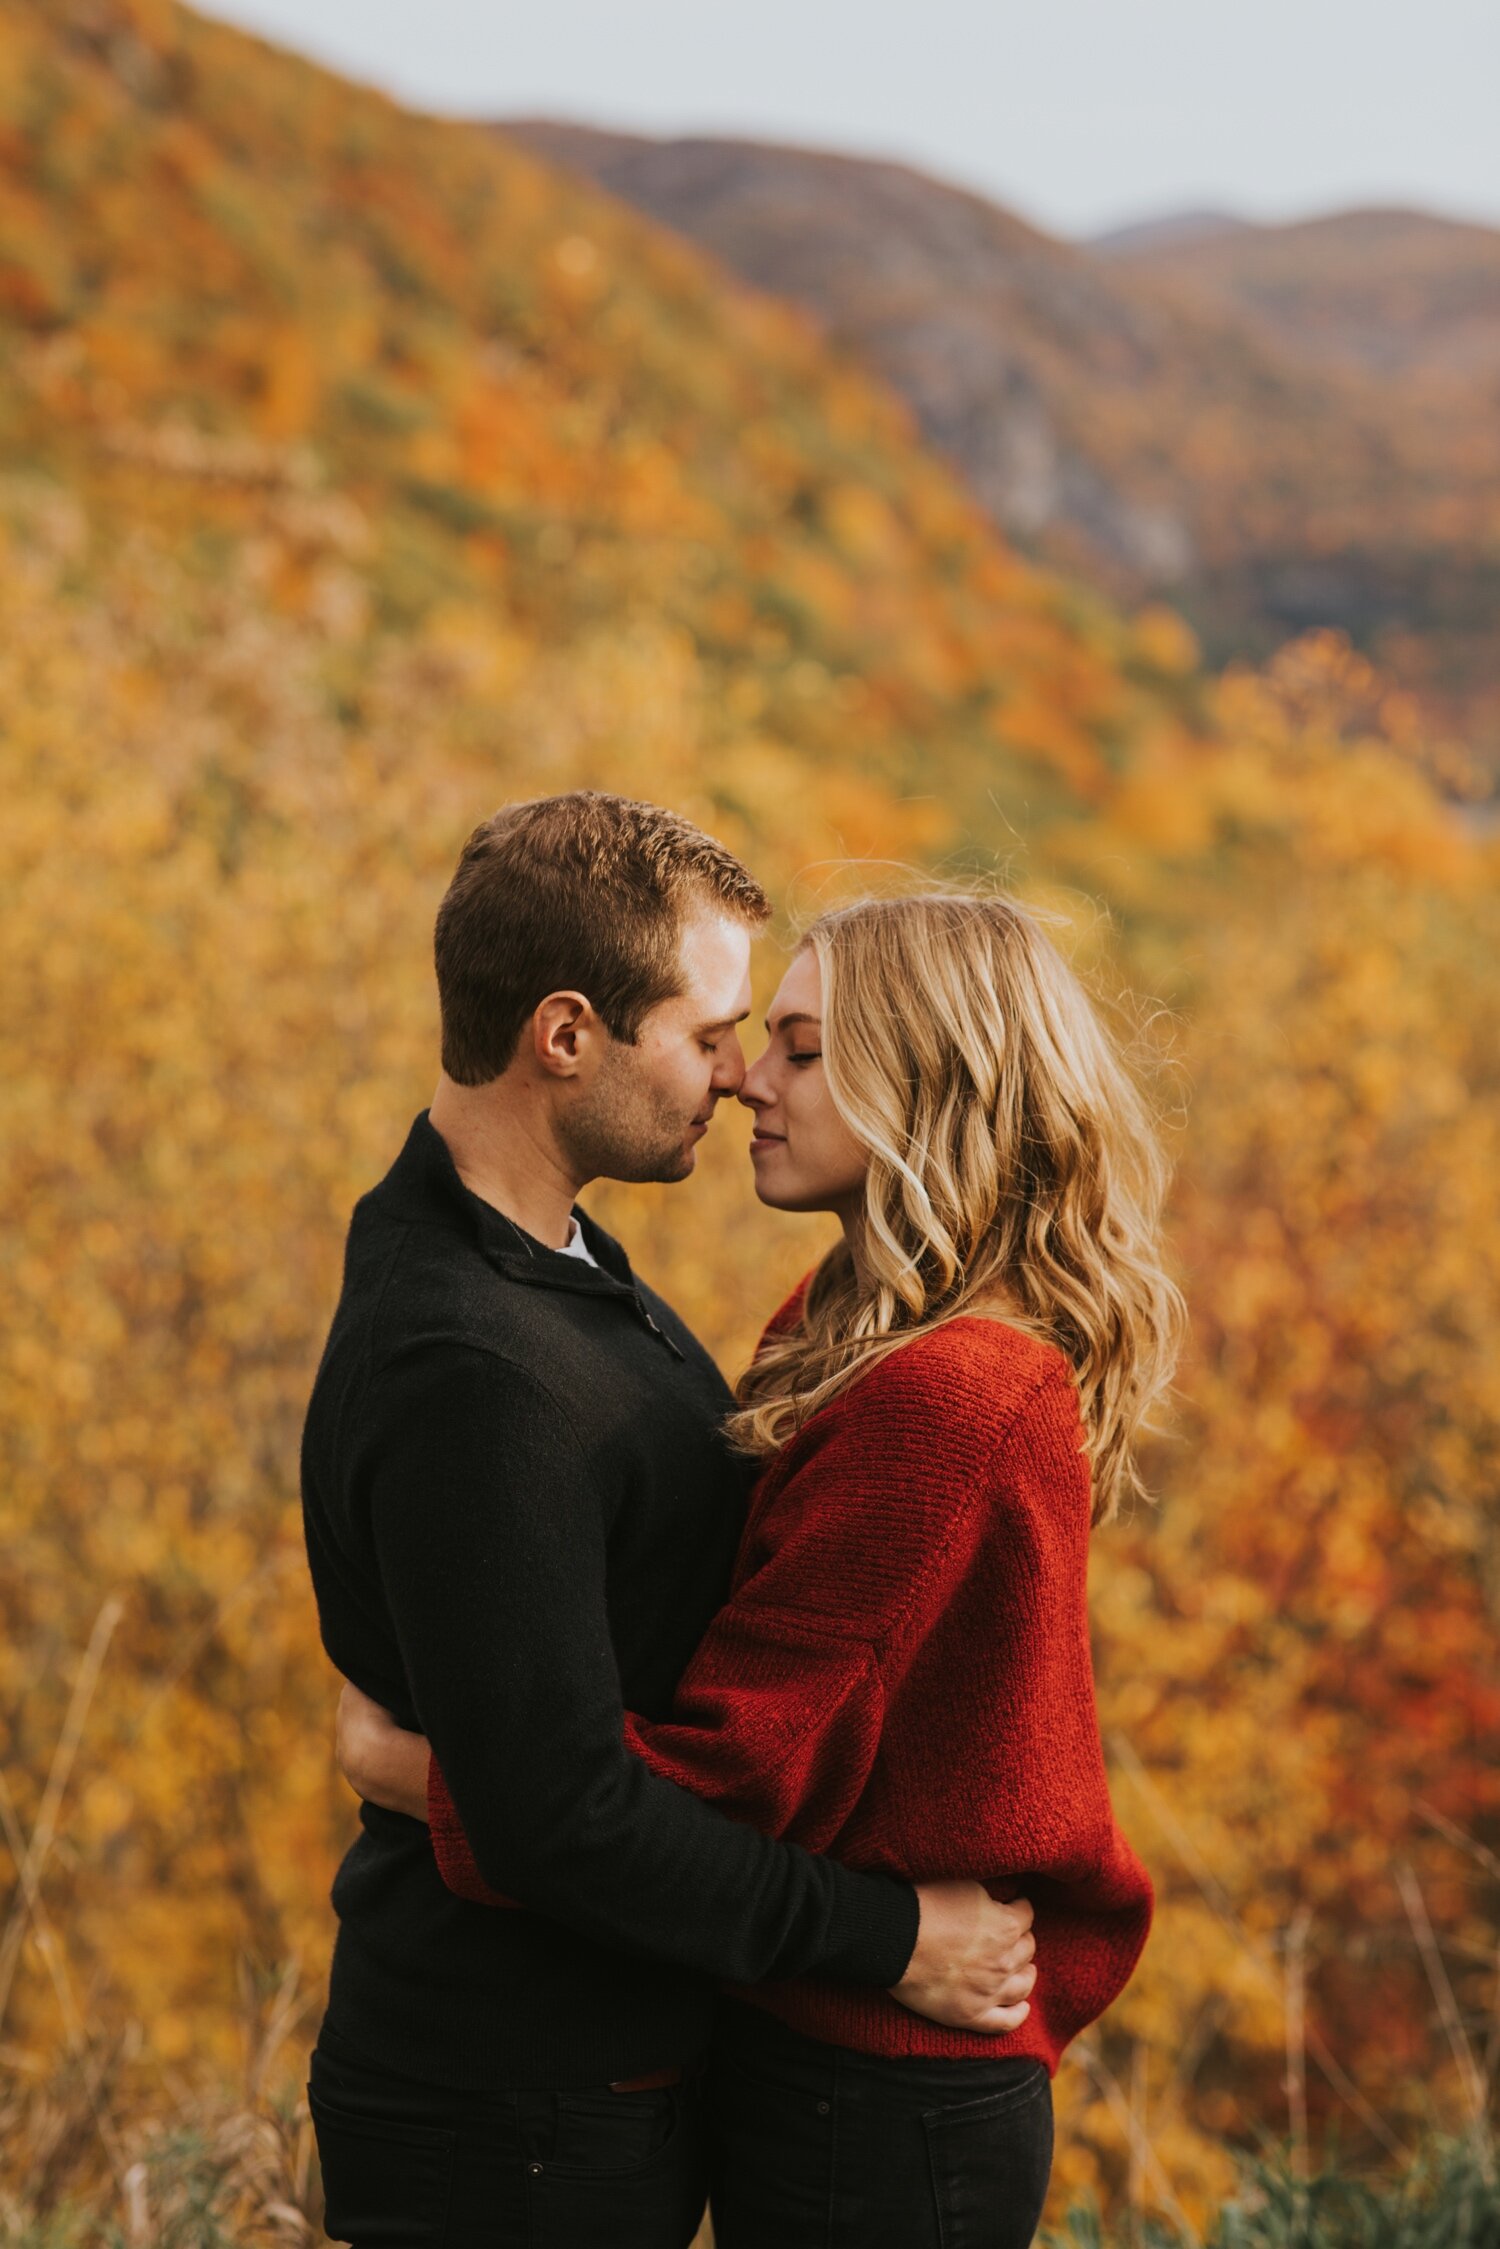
973	1965
380	1760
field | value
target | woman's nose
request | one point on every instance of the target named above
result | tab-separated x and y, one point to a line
750	1090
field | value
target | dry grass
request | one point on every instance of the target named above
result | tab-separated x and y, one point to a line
90	2165
233	2166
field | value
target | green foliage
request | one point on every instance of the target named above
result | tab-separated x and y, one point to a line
1449	2198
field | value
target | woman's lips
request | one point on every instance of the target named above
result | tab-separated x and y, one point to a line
760	1140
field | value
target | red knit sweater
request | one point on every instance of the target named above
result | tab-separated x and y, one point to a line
901	1677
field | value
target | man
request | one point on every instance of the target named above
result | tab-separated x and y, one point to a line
520	1515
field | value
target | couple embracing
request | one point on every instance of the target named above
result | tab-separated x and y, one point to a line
735	1821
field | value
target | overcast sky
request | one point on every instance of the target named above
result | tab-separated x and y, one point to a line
1080	113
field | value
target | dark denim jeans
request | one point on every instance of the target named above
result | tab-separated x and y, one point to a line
416	2166
815	2147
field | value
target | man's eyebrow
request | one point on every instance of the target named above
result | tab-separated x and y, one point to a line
725	1023
785	1022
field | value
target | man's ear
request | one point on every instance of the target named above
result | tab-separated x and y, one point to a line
560	1030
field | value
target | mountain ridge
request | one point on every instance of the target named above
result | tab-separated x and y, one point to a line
1391	290
1163	229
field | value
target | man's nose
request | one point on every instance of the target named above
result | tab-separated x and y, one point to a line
729	1069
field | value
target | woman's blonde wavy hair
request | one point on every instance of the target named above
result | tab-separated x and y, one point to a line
1014	1169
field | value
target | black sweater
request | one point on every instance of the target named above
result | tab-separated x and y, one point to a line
520	1516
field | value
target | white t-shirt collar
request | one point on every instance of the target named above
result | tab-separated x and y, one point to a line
576	1246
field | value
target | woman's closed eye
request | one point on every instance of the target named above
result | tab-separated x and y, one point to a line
814	1057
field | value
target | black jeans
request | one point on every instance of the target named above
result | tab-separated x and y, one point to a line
816	2147
416	2166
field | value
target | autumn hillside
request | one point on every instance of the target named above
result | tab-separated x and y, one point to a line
233	289
1248	419
358	471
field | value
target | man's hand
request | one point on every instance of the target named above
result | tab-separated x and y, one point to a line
972	1968
380	1760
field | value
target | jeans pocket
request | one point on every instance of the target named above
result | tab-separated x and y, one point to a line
384	2181
614	2133
990	2160
632	2174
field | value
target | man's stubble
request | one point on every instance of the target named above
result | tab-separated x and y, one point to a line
625	1128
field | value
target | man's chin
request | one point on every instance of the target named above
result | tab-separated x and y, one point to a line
662	1171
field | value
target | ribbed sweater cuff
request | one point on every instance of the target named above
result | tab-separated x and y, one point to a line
873	1933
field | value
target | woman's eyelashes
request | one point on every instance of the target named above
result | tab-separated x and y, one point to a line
815	1057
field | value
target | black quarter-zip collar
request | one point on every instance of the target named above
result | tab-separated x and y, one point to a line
423	1186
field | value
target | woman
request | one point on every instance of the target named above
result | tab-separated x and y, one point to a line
902	1672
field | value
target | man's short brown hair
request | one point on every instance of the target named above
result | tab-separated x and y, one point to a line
578	893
